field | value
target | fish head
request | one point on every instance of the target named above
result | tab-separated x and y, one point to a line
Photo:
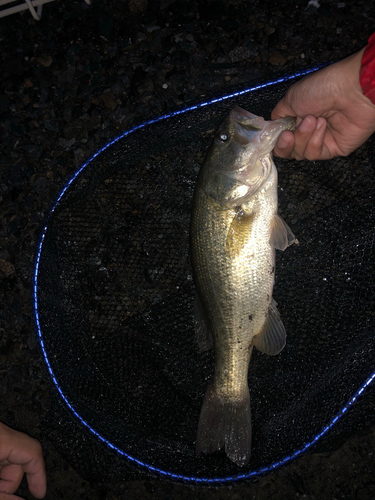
241	151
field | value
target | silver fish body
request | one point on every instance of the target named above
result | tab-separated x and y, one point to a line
235	230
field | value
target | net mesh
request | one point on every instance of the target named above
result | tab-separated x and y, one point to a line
115	304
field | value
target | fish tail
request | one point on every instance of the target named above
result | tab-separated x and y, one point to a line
225	423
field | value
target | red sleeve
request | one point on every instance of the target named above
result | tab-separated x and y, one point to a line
367	71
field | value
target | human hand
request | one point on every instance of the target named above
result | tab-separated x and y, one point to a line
333	116
19	454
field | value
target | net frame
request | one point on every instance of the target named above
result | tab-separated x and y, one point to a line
131	458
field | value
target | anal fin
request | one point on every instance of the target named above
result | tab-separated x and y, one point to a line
272	338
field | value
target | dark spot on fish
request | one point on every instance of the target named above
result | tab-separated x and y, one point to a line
268	297
272	270
250	317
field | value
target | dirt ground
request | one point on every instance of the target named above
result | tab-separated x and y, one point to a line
76	79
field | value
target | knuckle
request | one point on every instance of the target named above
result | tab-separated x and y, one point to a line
296	156
311	157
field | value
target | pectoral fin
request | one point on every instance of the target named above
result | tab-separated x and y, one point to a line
202	331
238	233
272	338
281	236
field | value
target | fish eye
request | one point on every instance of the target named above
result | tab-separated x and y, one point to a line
223	137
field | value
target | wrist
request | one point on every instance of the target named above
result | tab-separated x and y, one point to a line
367	70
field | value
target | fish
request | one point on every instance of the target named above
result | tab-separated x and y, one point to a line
234	232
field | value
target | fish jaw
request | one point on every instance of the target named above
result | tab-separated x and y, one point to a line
253	129
259	137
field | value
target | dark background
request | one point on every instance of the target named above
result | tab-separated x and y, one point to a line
81	76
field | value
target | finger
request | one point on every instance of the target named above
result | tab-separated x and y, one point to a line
302	136
36	475
315	148
6	496
10	478
20	450
284	145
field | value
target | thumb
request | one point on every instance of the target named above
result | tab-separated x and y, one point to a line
282	109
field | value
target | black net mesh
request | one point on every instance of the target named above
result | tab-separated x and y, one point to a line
115	303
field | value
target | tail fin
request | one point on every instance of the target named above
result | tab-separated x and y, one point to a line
225	423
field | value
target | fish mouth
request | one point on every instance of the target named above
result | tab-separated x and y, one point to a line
287	123
247	126
272	130
252	128
246	119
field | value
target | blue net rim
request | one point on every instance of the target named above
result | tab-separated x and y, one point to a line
204	480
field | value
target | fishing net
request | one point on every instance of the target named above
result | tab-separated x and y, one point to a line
113	302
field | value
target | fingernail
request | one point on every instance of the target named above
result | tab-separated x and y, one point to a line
320	123
305	125
283	143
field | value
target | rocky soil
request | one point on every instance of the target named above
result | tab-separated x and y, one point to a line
76	79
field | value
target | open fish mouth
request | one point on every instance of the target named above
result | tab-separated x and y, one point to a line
249	127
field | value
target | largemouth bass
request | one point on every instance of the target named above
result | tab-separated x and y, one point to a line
235	230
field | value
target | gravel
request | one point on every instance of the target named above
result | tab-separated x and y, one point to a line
78	78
